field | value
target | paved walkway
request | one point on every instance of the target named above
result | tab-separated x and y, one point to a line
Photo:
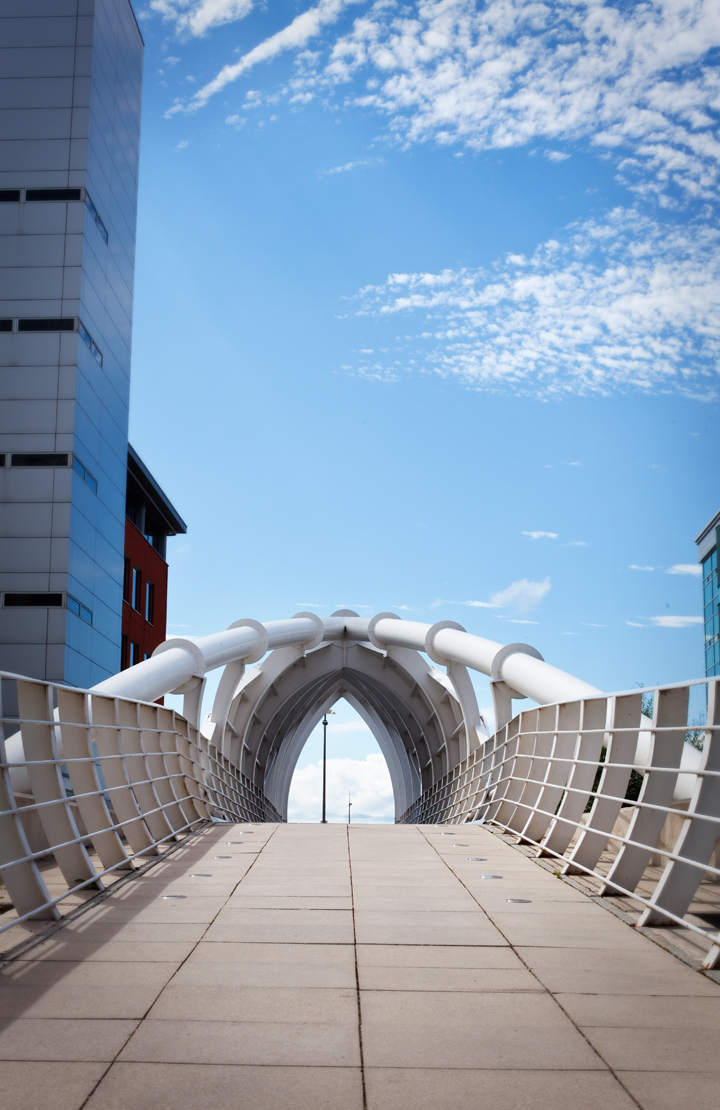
302	967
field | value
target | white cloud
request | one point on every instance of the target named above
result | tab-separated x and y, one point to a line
576	543
686	568
296	34
634	624
182	145
512	620
307	604
588	624
367	780
622	304
479	604
540	535
675	622
351	166
634	566
557	156
196	17
522	594
636	82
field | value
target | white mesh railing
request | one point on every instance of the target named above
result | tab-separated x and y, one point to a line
560	777
98	784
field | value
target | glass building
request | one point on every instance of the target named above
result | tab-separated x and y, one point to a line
70	90
707	543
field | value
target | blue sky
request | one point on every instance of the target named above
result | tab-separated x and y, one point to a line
426	316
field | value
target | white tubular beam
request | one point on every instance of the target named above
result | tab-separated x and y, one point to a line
532	678
178	660
542	682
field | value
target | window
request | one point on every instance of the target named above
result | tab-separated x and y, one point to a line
96	217
90	342
711	603
136	589
45	459
123	651
127	578
79	610
53	194
2	459
7	196
149	601
84	473
53	323
34	601
5	325
134	654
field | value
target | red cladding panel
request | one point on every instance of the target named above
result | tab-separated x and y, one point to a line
153	568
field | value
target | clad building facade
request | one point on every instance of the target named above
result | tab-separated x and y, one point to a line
708	544
70	91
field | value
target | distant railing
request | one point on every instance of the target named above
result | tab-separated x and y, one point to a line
92	784
558	777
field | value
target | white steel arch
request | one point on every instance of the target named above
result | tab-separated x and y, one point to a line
425	720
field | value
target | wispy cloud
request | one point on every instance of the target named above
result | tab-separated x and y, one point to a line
635	82
540	535
350	166
576	543
625	303
523	594
589	624
197	17
634	566
686	568
675	622
667	622
295	35
478	604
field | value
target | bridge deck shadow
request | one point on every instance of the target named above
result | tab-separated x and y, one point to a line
306	966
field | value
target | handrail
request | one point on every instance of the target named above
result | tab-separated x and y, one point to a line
140	778
535	778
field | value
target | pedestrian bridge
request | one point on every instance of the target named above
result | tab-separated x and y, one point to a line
539	927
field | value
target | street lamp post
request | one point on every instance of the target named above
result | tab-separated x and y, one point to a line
325	725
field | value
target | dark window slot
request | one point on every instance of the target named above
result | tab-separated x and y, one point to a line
5	325
9	196
36	323
35	601
134	654
149	601
53	194
39	460
137	589
127	577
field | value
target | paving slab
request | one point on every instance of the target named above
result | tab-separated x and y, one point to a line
362	968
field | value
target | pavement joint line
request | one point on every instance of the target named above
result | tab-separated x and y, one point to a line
663	943
357	976
182	963
550	993
54	926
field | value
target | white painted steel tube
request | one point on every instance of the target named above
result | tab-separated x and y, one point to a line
178	660
542	682
531	677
